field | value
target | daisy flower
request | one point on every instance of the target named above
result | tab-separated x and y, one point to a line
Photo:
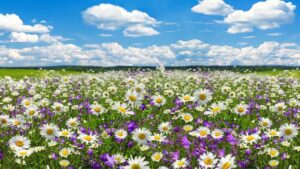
64	163
158	100
182	163
280	107
88	138
122	109
19	142
165	127
241	109
157	156
97	109
202	132
208	160
31	112
58	107
4	120
273	152
23	153
65	133
265	122
141	135
227	162
271	133
187	117
137	163
65	152
27	102
217	134
273	163
186	98
49	131
121	134
72	123
119	158
249	139
203	96
288	131
215	108
158	137
132	97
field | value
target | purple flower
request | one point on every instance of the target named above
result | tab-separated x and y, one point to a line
185	142
231	139
131	126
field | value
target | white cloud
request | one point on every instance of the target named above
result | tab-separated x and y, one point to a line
139	30
191	52
112	17
105	35
213	7
23	37
13	23
268	14
275	34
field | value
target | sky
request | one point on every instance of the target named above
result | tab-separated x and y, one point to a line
143	32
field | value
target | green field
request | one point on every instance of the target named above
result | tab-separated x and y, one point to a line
20	73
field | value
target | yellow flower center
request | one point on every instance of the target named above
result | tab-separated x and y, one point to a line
135	166
226	165
203	133
122	109
187	98
181	163
97	109
202	96
31	112
240	109
217	134
65	152
157	137
50	131
120	134
273	133
3	121
250	138
132	98
23	153
65	133
17	122
27	103
157	157
158	100
19	143
208	161
142	136
187	117
216	109
165	128
273	153
87	138
288	132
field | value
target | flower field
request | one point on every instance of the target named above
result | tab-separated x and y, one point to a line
150	120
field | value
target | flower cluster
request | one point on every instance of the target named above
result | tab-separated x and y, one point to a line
150	119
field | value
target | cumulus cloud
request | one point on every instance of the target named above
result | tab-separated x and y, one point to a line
13	23
262	15
112	17
213	7
23	37
139	30
191	52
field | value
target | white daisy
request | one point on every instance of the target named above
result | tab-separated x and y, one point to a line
49	131
121	134
137	163
288	131
158	100
208	160
182	163
203	96
141	135
241	109
19	142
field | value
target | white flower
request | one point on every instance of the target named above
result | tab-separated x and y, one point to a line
141	135
203	96
249	139
49	131
182	163
157	156
19	142
158	100
227	162
217	134
121	134
241	109
208	160
97	109
288	131
137	163
88	138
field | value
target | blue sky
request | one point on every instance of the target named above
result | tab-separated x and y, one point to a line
168	32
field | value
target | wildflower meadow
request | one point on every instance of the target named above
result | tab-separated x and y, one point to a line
154	119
